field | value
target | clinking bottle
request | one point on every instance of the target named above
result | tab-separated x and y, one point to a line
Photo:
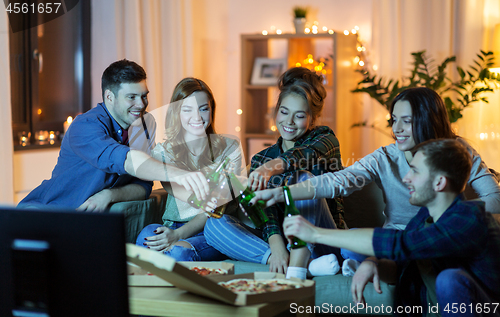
291	210
255	212
213	179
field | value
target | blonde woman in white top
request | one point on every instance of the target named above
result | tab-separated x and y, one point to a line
191	144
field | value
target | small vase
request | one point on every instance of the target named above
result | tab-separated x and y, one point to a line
300	25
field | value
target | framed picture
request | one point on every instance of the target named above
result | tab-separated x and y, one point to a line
266	71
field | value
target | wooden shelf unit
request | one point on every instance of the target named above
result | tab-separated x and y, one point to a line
258	101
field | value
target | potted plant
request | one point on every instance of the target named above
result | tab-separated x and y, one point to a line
468	88
299	20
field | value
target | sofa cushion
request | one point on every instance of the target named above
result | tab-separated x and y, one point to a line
140	213
365	208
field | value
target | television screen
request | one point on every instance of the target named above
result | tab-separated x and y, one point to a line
62	263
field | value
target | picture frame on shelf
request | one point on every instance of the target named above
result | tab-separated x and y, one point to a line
266	71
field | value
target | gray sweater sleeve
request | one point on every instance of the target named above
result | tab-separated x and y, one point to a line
350	179
483	182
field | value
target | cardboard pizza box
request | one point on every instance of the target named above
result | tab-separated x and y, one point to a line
306	290
182	277
229	267
138	276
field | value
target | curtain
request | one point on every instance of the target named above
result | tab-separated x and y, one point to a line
442	28
156	34
6	141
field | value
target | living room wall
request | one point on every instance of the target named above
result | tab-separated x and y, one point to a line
174	39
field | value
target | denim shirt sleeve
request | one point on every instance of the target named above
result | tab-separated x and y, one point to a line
91	141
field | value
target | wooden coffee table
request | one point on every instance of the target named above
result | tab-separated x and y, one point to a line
171	301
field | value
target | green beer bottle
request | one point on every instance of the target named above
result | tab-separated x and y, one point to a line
255	212
213	180
291	210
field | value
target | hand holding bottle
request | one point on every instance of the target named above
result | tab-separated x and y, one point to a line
195	182
212	180
253	211
291	210
269	196
297	227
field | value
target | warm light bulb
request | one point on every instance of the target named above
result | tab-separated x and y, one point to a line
237	129
264	32
273	128
239	111
357	28
361	63
359	48
346	32
310	60
298	64
388	116
356	59
330	32
278	31
325	29
315	31
375	67
307	30
353	31
39	111
69	119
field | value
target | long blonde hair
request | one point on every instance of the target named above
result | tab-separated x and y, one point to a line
173	128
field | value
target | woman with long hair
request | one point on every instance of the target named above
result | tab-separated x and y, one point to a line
303	150
191	144
417	115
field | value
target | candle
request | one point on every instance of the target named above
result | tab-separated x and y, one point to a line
24	138
67	123
52	137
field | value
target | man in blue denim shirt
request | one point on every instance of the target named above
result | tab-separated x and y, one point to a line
96	166
447	259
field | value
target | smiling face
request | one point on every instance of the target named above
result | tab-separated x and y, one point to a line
129	104
195	115
420	182
292	119
402	125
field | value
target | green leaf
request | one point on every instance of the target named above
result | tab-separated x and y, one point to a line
469	88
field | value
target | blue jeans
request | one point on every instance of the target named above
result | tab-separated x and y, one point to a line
348	254
240	242
455	288
199	251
